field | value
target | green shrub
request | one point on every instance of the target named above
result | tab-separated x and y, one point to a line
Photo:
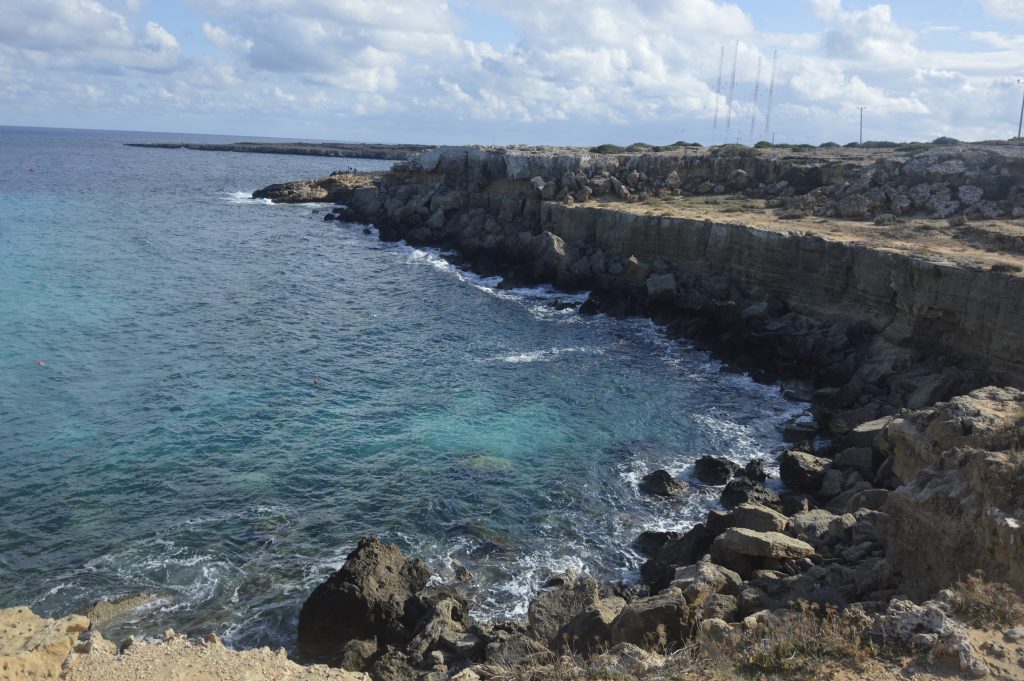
946	140
829	145
608	149
763	144
733	150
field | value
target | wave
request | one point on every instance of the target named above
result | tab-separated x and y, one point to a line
544	355
245	198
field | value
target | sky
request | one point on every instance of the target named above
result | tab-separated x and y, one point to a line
518	71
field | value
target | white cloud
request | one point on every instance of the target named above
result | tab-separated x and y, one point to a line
1005	9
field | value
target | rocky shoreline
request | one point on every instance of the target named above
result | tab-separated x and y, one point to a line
884	289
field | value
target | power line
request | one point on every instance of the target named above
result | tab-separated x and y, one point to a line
771	94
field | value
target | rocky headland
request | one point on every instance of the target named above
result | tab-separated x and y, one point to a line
885	289
387	152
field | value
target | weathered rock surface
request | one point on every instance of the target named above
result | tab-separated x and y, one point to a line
714	470
373	596
962	508
33	648
662	484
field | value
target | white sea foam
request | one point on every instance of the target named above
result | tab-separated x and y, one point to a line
245	198
544	355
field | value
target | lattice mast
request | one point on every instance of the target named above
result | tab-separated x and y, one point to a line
732	87
771	94
718	90
757	91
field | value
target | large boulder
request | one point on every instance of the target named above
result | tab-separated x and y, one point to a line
662	484
742	490
373	595
704	579
653	622
744	551
758	517
802	471
566	597
714	470
591	630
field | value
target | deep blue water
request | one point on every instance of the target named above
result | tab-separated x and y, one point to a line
173	440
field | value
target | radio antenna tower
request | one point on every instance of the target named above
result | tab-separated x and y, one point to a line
757	91
732	87
771	94
718	89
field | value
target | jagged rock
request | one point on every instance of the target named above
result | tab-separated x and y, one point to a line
357	654
661	286
653	621
703	579
714	470
741	490
651	541
864	434
860	459
813	526
552	610
662	484
759	518
754	470
394	665
591	631
802	471
372	596
927	626
33	648
915	439
445	621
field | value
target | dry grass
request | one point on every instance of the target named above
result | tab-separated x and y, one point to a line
802	645
985	604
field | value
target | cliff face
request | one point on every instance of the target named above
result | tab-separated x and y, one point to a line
879	324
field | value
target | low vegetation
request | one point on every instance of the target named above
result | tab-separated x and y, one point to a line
985	604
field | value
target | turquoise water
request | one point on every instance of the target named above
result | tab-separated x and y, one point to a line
173	441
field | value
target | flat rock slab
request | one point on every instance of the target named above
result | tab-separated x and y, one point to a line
775	545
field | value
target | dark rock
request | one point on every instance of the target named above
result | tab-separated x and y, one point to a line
394	665
740	490
329	217
373	596
754	470
802	471
714	470
357	654
591	631
796	502
650	541
551	611
662	484
655	621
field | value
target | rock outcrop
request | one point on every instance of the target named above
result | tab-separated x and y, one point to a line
962	507
33	648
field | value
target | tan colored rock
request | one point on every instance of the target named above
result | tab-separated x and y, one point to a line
33	648
978	419
774	545
179	659
757	517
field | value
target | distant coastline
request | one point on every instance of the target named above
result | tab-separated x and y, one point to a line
387	152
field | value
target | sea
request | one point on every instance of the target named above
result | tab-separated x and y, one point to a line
208	399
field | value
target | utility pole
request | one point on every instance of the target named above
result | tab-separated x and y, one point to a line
1020	124
861	123
773	137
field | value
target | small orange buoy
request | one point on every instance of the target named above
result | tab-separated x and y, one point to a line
40	362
